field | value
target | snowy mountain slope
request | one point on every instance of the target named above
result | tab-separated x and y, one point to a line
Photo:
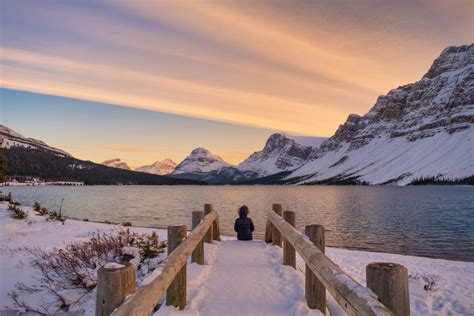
9	138
396	161
202	165
424	129
116	163
281	153
200	160
164	167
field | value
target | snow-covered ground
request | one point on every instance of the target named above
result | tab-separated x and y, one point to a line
240	278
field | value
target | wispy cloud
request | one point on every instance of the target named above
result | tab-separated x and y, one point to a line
125	149
301	68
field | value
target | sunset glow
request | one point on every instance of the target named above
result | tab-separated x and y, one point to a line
301	68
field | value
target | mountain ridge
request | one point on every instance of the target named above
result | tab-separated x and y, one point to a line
391	142
417	131
27	158
116	163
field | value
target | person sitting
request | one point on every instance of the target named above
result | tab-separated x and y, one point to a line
244	225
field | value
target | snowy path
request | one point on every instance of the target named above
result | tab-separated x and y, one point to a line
247	278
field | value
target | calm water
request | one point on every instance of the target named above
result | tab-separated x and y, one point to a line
434	221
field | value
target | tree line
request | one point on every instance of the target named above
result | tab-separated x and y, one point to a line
20	162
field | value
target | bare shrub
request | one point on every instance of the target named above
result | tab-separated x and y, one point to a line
75	266
428	280
55	216
51	215
16	212
40	210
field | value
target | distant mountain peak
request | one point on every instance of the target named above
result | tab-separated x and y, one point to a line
200	160
451	59
282	152
164	167
116	163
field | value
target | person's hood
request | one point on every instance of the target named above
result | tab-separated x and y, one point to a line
243	213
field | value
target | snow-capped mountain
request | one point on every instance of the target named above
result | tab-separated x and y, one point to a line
164	167
281	153
200	160
423	129
202	165
116	163
9	138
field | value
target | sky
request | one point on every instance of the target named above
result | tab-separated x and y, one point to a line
148	80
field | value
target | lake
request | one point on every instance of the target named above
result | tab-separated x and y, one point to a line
432	221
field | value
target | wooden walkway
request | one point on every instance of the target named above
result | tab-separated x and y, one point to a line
246	279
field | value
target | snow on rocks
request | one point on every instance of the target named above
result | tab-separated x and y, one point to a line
113	265
200	160
116	163
161	168
134	252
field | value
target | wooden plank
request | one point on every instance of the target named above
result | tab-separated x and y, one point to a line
147	296
315	292
351	296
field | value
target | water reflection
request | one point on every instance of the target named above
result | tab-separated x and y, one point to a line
428	221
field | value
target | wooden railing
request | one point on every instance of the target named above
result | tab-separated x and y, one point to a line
387	283
116	294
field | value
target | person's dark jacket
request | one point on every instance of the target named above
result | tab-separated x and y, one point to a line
244	227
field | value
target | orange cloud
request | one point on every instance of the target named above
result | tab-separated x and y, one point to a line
125	148
300	67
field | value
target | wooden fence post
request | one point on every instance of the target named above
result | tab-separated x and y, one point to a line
216	233
315	291
198	253
268	232
208	208
276	235
114	282
289	253
176	293
390	282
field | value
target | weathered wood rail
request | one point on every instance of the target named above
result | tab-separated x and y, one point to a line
387	283
119	298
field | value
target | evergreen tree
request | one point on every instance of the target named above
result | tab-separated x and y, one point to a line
3	168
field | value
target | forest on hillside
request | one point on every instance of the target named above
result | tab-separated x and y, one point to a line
23	162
